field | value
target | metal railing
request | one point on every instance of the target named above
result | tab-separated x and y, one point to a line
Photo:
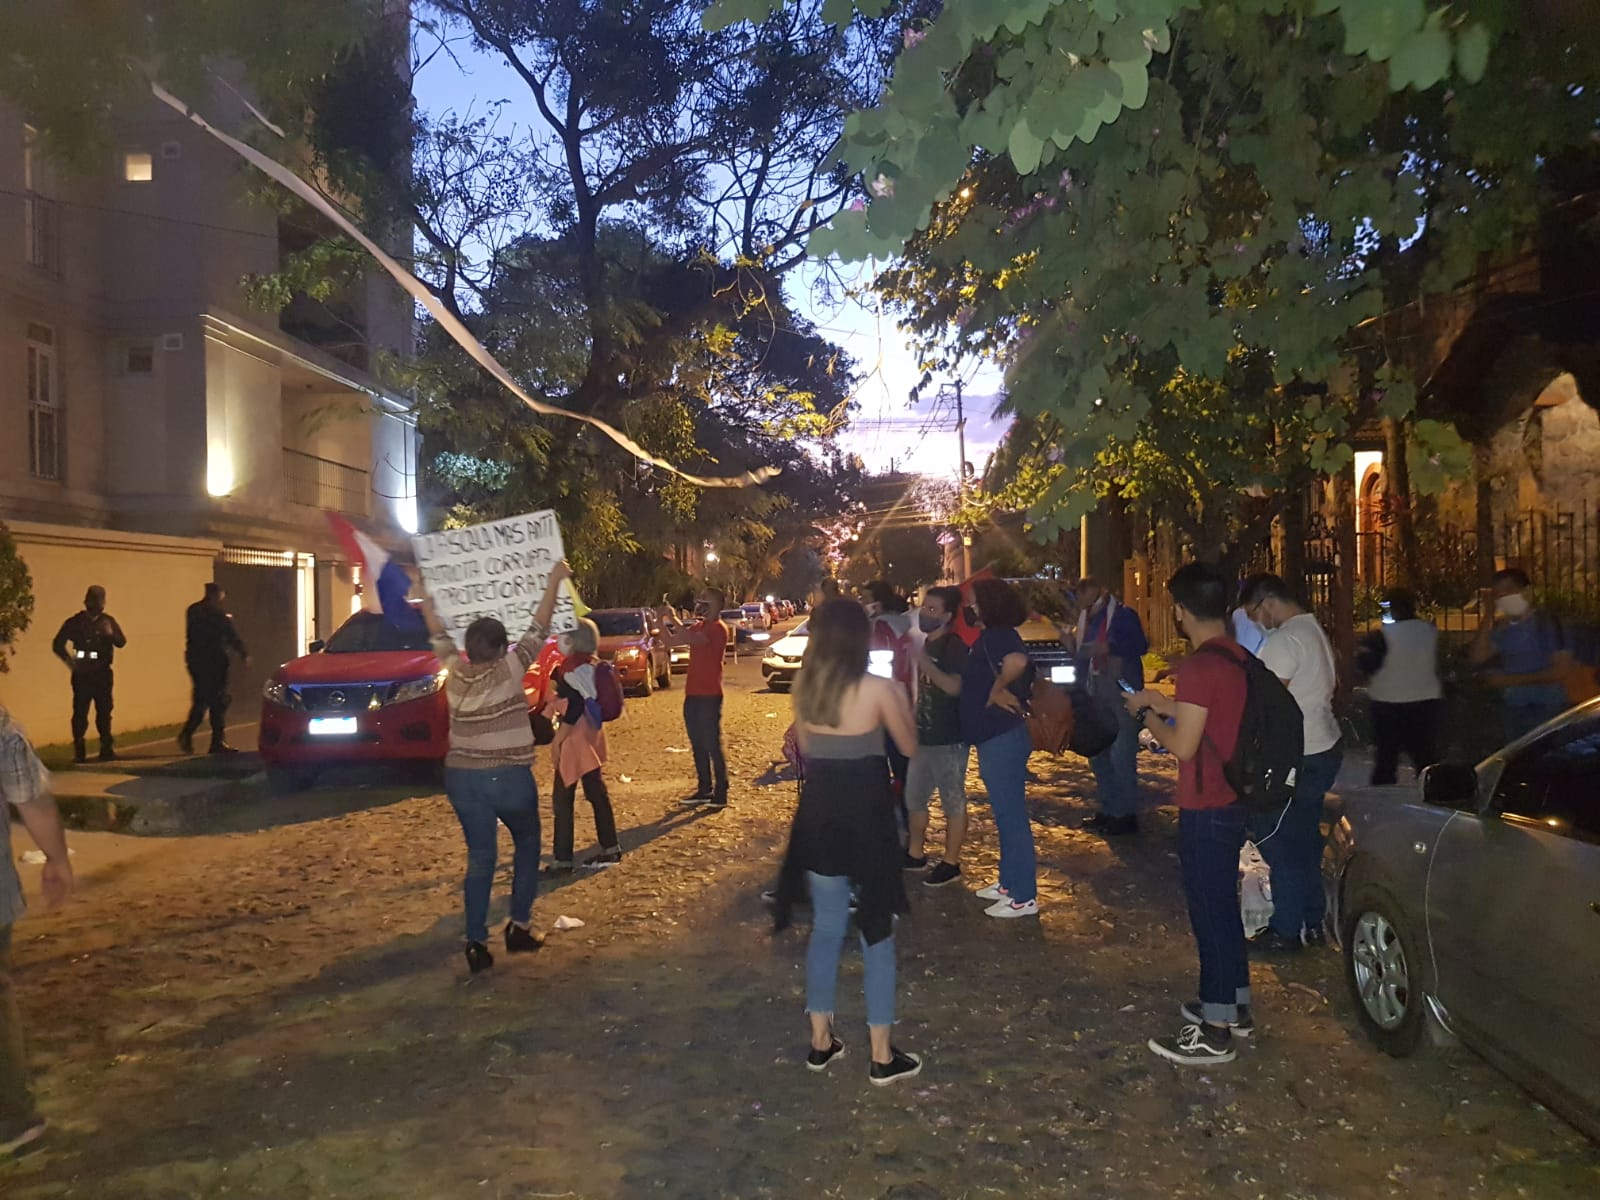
41	229
321	483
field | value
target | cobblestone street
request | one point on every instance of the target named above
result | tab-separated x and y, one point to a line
283	1012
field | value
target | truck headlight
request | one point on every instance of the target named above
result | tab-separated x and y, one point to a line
416	689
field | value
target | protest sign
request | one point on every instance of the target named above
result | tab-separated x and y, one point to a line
498	569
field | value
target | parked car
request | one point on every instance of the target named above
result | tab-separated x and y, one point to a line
756	616
372	694
782	661
632	641
1473	901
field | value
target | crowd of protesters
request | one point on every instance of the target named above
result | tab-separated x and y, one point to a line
890	709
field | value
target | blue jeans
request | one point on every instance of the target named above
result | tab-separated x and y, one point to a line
1116	769
484	799
830	918
1209	841
1292	845
1003	767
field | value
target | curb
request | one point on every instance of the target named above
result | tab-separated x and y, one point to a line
182	814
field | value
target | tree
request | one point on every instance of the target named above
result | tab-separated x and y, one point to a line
1089	187
16	596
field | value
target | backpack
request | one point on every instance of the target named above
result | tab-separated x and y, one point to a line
1093	726
607	691
1266	760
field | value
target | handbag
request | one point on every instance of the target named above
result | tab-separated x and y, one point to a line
1047	711
544	730
1094	727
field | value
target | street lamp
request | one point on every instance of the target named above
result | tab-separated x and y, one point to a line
711	556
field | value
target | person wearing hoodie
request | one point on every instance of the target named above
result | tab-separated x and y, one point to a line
579	748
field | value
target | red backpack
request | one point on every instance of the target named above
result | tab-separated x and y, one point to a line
607	691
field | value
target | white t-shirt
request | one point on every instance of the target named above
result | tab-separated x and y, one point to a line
1298	652
1410	670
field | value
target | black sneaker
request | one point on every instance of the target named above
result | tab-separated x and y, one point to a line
818	1060
222	748
900	1066
559	868
942	874
907	863
478	957
697	799
606	858
718	801
1245	1026
1314	938
1196	1046
186	742
522	941
1117	826
1093	822
1269	941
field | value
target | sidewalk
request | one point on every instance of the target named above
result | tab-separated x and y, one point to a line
153	787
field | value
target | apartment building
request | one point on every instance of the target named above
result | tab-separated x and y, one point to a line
156	432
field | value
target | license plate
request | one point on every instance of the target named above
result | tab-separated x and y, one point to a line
332	726
1063	674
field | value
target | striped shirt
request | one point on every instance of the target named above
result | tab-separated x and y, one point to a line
489	725
22	781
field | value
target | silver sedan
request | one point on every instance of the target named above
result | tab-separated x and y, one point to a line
1473	903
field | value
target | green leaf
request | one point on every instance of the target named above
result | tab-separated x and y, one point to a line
1025	148
838	11
1421	60
730	12
1135	78
1472	53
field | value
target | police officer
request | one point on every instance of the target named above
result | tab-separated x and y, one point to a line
94	636
210	637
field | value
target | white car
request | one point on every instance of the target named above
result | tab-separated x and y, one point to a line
782	661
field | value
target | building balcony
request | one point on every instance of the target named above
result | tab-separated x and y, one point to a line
321	483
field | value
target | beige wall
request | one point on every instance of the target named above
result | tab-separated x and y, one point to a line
149	582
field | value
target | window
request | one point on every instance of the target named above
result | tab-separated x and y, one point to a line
1556	782
138	166
44	405
41	219
141	359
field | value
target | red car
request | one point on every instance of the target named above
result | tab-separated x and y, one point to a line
372	694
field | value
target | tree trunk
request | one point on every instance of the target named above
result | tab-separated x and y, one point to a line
1485	564
1405	522
1344	582
1292	561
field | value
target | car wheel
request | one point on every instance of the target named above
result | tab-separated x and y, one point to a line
664	680
648	686
1383	968
286	781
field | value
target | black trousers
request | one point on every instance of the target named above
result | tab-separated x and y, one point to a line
563	803
1411	729
702	717
210	696
92	685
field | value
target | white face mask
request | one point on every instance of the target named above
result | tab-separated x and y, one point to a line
1513	606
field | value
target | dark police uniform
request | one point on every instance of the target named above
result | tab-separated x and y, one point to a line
94	638
211	636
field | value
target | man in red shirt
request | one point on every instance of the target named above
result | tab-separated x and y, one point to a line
707	640
1201	728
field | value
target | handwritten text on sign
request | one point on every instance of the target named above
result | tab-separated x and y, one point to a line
499	569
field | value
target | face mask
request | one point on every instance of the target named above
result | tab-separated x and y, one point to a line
564	647
970	616
1177	621
1512	606
930	624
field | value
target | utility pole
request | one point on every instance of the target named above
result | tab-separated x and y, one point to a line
961	481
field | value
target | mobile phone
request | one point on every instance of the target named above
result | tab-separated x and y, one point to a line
880	663
1126	687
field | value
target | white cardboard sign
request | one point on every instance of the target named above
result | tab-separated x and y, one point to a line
498	569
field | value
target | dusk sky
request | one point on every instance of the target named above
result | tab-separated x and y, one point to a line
888	430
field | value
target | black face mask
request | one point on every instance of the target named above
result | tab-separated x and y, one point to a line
970	615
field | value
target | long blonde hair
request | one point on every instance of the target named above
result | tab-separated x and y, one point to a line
835	661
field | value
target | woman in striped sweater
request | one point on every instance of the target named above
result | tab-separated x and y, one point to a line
489	770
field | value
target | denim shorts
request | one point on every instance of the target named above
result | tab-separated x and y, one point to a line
938	767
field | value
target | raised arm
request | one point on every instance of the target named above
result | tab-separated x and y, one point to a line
559	574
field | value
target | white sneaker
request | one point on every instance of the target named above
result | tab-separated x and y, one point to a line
994	892
1010	908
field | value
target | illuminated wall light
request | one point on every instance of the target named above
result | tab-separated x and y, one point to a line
405	513
219	471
